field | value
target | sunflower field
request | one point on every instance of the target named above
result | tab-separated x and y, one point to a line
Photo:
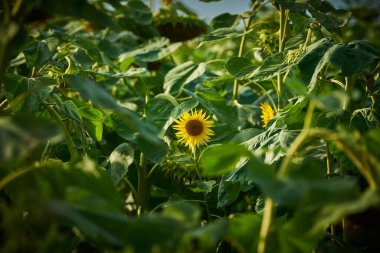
135	126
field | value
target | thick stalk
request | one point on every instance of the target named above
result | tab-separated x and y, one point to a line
196	161
255	7
265	224
281	42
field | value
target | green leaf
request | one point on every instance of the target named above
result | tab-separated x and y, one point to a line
354	57
100	97
21	134
93	121
139	12
225	20
82	59
300	22
182	211
152	50
240	67
37	54
222	34
244	232
220	159
79	9
179	76
201	186
314	60
120	159
271	67
332	19
229	191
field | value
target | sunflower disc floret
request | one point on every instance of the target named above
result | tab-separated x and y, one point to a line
194	129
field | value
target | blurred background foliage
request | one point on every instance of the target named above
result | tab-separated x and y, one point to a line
89	161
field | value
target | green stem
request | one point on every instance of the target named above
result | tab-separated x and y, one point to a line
281	42
265	224
308	39
254	8
328	160
142	185
69	141
196	161
12	176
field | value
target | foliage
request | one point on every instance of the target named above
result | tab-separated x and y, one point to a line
89	159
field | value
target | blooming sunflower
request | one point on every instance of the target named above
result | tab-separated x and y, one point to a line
193	129
267	113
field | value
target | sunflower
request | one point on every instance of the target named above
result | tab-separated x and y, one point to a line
193	129
267	113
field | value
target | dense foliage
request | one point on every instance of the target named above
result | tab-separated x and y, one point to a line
90	161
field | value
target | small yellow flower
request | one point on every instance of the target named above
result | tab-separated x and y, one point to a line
267	113
193	129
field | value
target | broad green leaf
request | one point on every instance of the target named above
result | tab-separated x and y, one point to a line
220	159
37	54
100	97
78	9
271	67
154	152
182	211
300	22
332	19
159	108
240	67
222	34
314	60
152	50
354	57
139	12
120	159
229	191
293	6
21	134
82	59
244	232
200	186
93	121
179	76
224	20
210	99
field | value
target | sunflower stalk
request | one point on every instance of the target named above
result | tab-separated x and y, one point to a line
142	185
255	8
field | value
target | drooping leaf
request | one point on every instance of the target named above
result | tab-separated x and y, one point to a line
240	67
332	19
220	159
179	76
120	159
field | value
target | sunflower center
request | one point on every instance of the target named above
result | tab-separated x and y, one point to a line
194	127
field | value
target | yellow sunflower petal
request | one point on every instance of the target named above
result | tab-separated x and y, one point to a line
193	129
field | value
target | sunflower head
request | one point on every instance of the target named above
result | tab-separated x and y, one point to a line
194	128
267	113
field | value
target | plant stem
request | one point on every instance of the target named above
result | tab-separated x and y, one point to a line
69	141
196	161
265	224
15	174
281	41
308	39
142	185
254	8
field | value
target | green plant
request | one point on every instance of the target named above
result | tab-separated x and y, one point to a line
90	99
